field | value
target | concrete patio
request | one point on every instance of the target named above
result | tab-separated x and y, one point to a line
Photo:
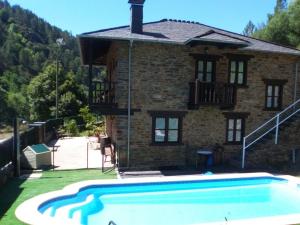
72	153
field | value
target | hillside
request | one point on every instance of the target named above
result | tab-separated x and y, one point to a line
28	49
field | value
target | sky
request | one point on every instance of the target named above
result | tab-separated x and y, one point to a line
79	16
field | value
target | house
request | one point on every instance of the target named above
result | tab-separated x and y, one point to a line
174	86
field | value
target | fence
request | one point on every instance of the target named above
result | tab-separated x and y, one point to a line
33	135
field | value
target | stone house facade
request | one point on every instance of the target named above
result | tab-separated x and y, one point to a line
173	87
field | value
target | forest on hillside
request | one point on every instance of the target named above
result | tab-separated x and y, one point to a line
29	53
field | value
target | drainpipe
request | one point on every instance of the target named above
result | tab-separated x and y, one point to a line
296	81
129	102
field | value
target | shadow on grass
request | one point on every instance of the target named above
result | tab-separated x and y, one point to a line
107	169
9	193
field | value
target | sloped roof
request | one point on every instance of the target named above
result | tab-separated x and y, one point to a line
184	32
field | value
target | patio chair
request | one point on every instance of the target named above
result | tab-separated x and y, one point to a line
59	134
107	150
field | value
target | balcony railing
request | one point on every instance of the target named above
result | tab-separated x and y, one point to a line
102	93
220	94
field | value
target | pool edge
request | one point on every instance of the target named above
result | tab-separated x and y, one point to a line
28	211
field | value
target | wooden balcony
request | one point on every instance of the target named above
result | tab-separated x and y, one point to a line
102	95
219	94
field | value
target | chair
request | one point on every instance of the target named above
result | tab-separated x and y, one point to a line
107	150
59	134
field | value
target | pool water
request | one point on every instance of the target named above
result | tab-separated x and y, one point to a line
178	203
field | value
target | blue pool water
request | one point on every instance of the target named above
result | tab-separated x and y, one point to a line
178	203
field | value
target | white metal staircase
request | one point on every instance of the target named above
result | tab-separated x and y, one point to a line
271	125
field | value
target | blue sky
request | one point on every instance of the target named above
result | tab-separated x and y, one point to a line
78	16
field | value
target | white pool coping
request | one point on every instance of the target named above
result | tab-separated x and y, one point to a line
28	212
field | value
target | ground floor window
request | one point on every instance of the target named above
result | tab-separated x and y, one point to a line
235	127
234	130
166	127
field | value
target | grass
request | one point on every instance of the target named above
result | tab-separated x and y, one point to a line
17	191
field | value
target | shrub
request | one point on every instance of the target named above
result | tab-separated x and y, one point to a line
71	127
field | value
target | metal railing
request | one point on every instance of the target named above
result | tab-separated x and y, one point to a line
271	125
112	223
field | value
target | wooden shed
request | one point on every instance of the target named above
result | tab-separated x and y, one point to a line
36	157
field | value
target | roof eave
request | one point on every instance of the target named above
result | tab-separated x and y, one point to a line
268	51
216	42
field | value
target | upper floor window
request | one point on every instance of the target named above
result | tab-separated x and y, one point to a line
238	66
205	70
237	72
205	67
274	93
166	127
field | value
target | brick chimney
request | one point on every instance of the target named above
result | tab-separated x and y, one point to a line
136	24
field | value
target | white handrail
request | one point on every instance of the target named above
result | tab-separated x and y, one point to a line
276	120
298	101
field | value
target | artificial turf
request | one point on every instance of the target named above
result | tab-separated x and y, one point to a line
16	191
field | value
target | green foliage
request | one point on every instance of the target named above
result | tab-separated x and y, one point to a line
294	22
42	94
249	29
88	118
71	128
276	29
283	26
280	6
28	46
92	127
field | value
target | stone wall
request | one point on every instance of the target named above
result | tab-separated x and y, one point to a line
268	155
160	81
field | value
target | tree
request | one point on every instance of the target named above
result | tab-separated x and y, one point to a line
4	15
281	5
42	93
27	51
294	22
284	26
249	29
276	30
72	96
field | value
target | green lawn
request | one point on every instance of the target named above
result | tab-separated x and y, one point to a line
17	191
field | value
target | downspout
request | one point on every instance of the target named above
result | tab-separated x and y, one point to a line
296	82
129	102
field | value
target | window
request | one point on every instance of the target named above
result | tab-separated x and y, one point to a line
235	127
205	70
273	96
237	72
234	130
166	127
238	68
274	90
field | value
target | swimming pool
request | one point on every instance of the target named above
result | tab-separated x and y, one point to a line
216	199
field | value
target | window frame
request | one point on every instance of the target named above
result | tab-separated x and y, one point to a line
236	72
205	58
213	71
167	115
239	58
274	83
235	116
